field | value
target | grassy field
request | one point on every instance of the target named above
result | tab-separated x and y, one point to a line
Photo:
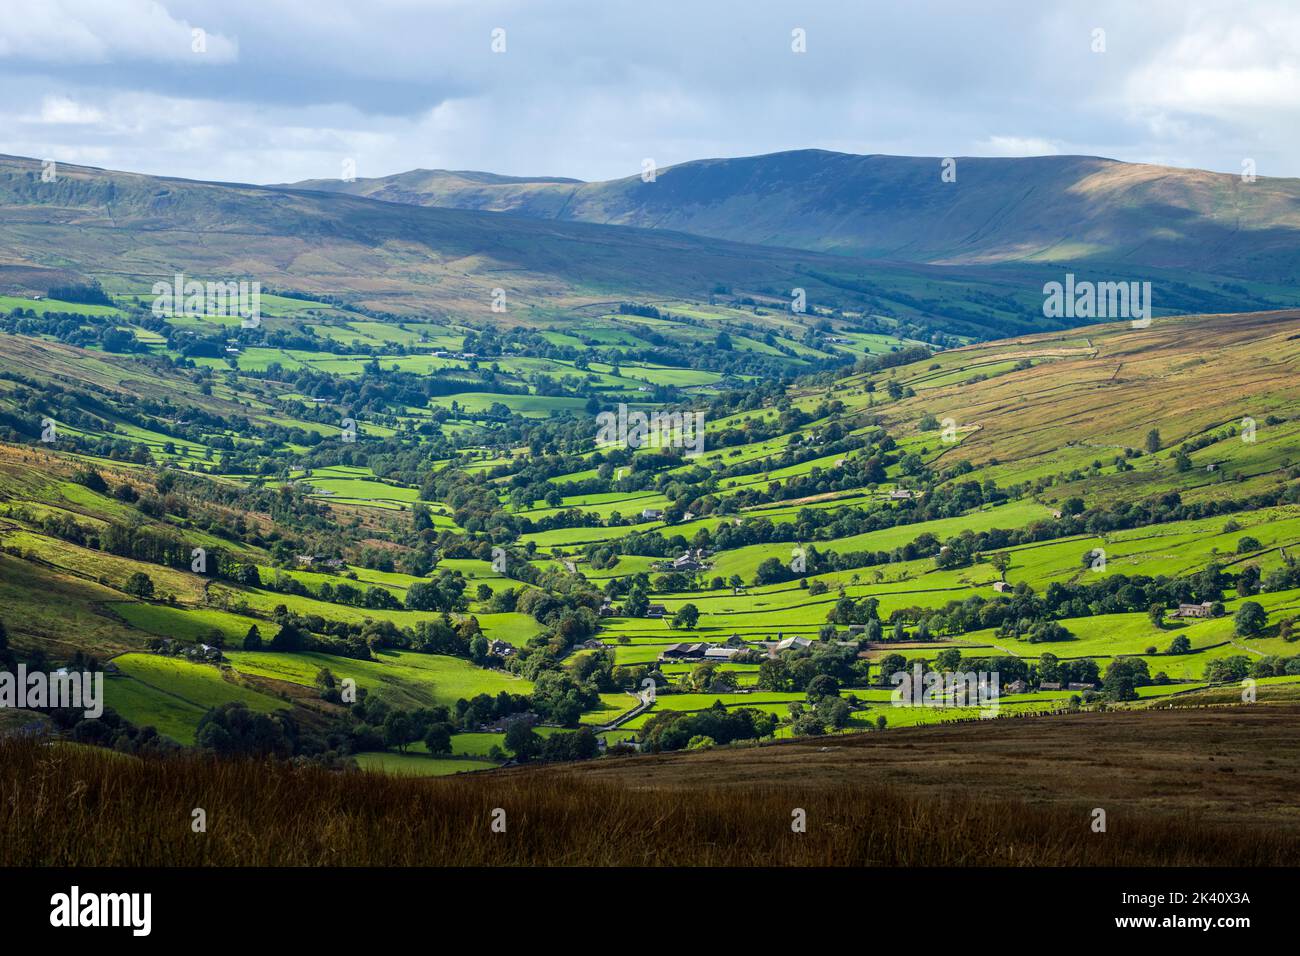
925	796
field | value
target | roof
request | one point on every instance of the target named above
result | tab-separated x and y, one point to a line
793	642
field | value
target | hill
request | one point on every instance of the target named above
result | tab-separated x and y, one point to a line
1081	210
128	230
1018	794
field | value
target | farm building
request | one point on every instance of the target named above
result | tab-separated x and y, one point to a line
690	561
1049	685
656	610
652	514
792	642
1001	586
1017	687
1204	609
500	648
318	561
683	652
1079	685
901	494
721	653
203	653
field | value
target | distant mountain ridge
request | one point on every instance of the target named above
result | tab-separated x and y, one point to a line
1075	209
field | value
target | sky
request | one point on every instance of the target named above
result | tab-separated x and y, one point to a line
283	90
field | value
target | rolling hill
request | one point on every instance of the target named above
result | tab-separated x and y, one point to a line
1065	209
129	230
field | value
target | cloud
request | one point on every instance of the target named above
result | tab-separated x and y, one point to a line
70	32
60	109
1223	69
589	89
1018	146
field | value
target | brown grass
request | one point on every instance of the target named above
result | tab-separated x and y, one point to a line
67	806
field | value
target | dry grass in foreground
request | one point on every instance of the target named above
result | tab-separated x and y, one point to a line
67	806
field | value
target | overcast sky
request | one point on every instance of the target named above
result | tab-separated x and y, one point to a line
291	89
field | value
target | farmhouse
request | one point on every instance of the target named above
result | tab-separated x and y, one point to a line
1017	687
1204	609
500	648
690	561
1049	685
608	610
901	494
652	514
591	644
656	610
318	561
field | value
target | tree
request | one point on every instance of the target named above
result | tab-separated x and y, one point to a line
438	739
1156	612
398	730
948	660
1250	620
1180	645
637	603
1248	580
1124	676
823	685
1153	441
232	729
140	585
522	741
890	665
91	479
687	616
1001	561
288	638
